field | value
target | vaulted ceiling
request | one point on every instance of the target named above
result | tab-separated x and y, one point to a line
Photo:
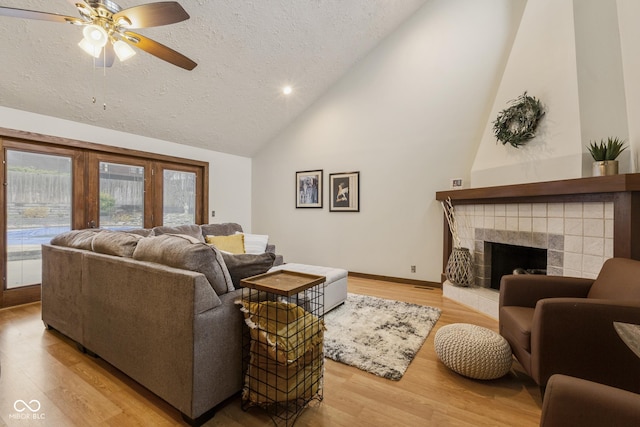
246	50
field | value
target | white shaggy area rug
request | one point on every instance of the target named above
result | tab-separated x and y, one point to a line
377	335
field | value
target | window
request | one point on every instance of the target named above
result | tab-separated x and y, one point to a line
38	206
53	185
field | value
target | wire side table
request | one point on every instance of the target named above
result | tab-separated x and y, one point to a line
283	355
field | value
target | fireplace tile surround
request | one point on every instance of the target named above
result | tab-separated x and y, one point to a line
580	222
578	236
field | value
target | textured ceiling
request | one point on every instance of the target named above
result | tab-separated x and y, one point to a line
246	51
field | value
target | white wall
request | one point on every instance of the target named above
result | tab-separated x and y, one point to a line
580	58
628	16
229	176
542	62
408	117
603	111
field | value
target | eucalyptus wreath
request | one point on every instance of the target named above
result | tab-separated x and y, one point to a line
517	124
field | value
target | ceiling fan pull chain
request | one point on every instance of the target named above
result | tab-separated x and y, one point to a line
93	82
104	82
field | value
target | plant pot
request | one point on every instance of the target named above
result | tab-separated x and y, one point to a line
606	167
459	269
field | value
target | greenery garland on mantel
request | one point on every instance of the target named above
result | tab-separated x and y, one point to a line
517	124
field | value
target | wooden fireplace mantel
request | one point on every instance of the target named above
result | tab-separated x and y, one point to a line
622	190
543	192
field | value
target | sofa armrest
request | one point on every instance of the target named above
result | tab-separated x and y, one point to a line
279	260
524	290
570	401
576	336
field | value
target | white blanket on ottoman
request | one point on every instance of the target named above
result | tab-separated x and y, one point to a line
335	287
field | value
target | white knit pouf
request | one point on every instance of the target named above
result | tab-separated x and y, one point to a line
473	351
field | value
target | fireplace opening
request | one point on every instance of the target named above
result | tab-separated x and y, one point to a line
512	259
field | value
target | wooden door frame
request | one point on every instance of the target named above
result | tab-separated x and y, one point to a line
201	189
93	185
31	293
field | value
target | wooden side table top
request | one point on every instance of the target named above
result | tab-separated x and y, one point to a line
630	334
283	282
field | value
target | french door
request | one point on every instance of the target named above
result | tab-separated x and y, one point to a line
125	193
52	185
120	192
38	201
182	194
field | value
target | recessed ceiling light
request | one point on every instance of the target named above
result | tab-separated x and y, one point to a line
287	90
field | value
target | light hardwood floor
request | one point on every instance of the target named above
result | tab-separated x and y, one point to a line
75	389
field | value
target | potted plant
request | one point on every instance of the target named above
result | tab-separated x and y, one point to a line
605	154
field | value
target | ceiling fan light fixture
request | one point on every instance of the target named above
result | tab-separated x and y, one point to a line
123	21
123	50
95	35
90	49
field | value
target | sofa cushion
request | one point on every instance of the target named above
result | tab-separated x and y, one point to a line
78	239
246	265
224	229
255	243
233	243
188	253
192	230
118	243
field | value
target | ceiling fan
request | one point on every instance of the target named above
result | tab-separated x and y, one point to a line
107	28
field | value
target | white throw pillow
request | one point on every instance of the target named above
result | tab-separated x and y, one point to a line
255	243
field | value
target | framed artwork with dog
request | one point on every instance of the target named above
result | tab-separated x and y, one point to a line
344	189
309	189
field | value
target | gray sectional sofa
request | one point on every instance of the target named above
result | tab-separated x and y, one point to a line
156	304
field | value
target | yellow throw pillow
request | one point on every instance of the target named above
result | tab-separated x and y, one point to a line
233	243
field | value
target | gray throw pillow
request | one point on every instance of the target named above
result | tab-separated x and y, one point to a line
78	239
118	243
242	266
192	230
187	253
224	229
144	232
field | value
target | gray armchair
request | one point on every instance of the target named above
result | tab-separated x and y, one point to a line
564	325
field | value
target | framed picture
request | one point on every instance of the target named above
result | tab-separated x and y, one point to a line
345	192
309	189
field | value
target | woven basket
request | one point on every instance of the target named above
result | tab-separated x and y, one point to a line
459	270
473	351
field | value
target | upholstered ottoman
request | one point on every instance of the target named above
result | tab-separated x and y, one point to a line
473	351
335	287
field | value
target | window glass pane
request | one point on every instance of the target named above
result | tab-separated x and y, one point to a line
39	199
179	198
121	196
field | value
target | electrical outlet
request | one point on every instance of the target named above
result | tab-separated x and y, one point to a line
413	268
213	213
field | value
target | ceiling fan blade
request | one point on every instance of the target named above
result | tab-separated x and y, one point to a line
107	57
34	14
153	14
159	50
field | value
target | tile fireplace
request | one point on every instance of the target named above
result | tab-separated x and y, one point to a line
579	223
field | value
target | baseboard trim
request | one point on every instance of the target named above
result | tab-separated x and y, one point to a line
413	282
